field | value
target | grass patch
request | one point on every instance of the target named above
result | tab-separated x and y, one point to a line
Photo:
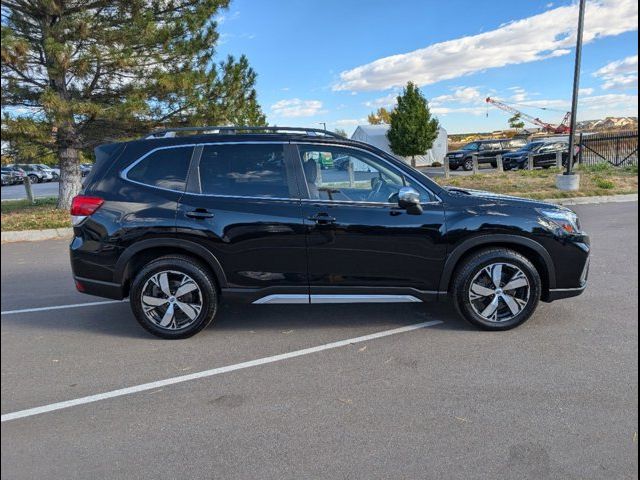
541	184
21	215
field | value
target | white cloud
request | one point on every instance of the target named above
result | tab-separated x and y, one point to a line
386	101
586	91
297	108
620	75
549	34
459	95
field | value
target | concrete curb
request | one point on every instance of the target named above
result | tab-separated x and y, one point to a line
37	235
594	200
61	233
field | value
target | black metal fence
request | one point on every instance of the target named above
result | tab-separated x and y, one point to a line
620	149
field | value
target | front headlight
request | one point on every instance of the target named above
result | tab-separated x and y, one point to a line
564	220
458	155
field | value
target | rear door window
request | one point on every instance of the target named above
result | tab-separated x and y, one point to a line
249	170
165	168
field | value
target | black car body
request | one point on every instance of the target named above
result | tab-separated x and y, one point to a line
252	218
544	152
487	152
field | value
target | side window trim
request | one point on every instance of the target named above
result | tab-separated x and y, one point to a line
304	191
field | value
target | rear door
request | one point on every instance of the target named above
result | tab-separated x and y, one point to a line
242	203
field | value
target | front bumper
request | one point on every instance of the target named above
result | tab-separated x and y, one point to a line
562	293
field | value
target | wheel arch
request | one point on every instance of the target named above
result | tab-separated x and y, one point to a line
144	251
531	249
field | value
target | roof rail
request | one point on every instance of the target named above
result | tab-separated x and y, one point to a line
226	130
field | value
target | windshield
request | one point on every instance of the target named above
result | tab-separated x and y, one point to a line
470	146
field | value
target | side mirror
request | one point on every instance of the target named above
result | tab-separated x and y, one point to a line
409	199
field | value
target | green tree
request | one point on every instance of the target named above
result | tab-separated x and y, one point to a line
380	116
413	130
90	71
341	132
516	122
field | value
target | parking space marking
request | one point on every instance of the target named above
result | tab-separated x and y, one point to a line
209	373
61	307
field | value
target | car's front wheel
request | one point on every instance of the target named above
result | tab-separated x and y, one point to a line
468	165
497	289
174	297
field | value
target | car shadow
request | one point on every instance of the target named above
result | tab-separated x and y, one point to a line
117	319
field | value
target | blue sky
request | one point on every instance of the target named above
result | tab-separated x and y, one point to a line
335	61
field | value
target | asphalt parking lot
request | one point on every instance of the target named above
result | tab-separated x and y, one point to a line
556	398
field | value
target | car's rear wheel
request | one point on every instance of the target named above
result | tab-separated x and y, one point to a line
497	289
174	297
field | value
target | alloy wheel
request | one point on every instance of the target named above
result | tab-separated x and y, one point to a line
499	292
171	300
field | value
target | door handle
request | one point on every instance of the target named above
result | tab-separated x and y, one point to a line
199	214
323	219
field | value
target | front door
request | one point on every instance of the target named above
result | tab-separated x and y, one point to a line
242	204
360	243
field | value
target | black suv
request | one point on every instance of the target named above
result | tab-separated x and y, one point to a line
487	152
544	155
180	222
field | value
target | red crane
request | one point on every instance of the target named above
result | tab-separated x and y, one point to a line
547	127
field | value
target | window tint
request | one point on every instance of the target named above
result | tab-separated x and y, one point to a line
166	168
339	174
244	170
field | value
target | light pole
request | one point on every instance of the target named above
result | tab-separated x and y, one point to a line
324	125
569	180
576	88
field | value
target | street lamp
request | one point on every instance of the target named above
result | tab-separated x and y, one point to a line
570	180
324	125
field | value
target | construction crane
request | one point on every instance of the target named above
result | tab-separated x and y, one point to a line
547	127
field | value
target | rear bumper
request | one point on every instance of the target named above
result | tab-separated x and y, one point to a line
99	288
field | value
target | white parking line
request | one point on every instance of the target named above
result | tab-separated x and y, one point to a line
61	307
209	373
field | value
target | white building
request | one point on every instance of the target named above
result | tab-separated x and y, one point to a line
376	135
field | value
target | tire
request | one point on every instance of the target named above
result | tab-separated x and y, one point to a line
197	309
475	271
494	164
34	179
467	166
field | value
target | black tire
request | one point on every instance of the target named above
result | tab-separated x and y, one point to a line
198	273
494	164
472	266
467	166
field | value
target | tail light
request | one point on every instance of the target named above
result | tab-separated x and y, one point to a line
83	206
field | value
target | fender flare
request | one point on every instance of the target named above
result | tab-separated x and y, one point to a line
492	239
187	245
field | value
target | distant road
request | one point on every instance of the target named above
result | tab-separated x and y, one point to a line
40	190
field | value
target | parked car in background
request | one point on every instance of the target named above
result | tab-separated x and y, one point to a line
16	175
544	155
34	172
6	179
487	152
85	168
50	171
179	223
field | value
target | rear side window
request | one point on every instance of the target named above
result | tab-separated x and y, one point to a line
245	171
166	168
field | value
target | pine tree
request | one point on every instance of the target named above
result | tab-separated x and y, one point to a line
412	130
90	71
